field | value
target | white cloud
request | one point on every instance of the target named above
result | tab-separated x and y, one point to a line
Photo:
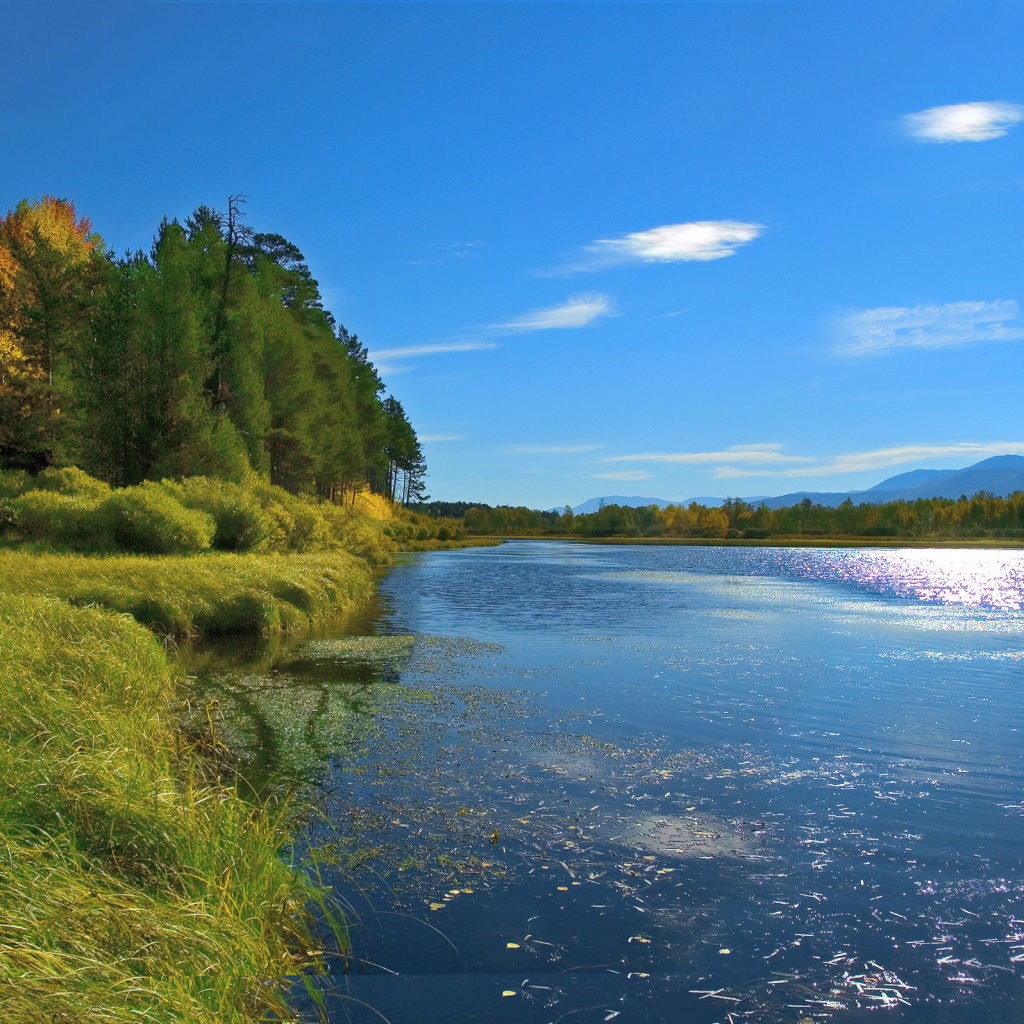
870	331
882	458
764	460
964	122
554	449
429	350
745	454
697	240
626	474
577	311
391	369
435	438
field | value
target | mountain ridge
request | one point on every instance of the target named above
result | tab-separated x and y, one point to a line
1000	475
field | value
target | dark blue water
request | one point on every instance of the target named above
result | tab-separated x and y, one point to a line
684	784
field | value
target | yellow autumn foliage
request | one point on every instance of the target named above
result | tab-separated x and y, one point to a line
376	506
55	221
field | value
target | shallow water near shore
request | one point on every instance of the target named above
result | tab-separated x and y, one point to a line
589	783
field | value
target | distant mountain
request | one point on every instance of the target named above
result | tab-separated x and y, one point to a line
593	504
915	478
1001	475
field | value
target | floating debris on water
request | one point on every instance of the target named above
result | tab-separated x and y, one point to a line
684	837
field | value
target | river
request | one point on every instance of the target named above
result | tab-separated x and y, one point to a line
643	784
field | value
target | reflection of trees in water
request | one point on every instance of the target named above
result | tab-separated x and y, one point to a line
282	711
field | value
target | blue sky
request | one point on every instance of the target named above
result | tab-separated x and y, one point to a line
660	249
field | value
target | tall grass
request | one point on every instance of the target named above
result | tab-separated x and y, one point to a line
131	889
208	594
134	884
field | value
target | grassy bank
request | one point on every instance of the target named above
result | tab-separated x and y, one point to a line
209	594
133	887
134	884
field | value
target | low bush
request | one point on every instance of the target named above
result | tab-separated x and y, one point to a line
241	522
296	524
71	481
57	519
14	483
147	520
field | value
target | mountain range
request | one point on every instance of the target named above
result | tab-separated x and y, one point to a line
1000	475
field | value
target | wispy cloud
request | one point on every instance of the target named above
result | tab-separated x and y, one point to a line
671	243
464	249
409	351
392	369
771	460
875	459
554	449
745	454
626	474
674	312
461	250
577	311
963	122
871	331
435	438
882	458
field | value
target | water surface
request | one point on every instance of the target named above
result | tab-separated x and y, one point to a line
678	784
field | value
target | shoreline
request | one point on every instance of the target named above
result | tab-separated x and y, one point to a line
129	854
1006	543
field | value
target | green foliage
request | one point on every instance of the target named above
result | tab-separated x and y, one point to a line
241	522
218	593
978	517
148	520
504	520
14	483
58	520
211	355
71	481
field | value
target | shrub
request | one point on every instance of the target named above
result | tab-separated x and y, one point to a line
732	533
61	519
14	483
147	520
72	481
298	525
241	522
757	532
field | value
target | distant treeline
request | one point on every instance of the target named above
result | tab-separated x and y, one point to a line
212	354
980	516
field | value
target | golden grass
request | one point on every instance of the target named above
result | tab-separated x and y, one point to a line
206	594
130	888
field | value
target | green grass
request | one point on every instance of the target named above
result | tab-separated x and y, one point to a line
132	886
202	595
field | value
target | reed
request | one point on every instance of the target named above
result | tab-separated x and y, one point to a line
203	595
134	887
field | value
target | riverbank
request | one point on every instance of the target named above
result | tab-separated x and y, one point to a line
198	596
782	541
136	884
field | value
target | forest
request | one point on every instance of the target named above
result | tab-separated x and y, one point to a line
981	516
210	355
